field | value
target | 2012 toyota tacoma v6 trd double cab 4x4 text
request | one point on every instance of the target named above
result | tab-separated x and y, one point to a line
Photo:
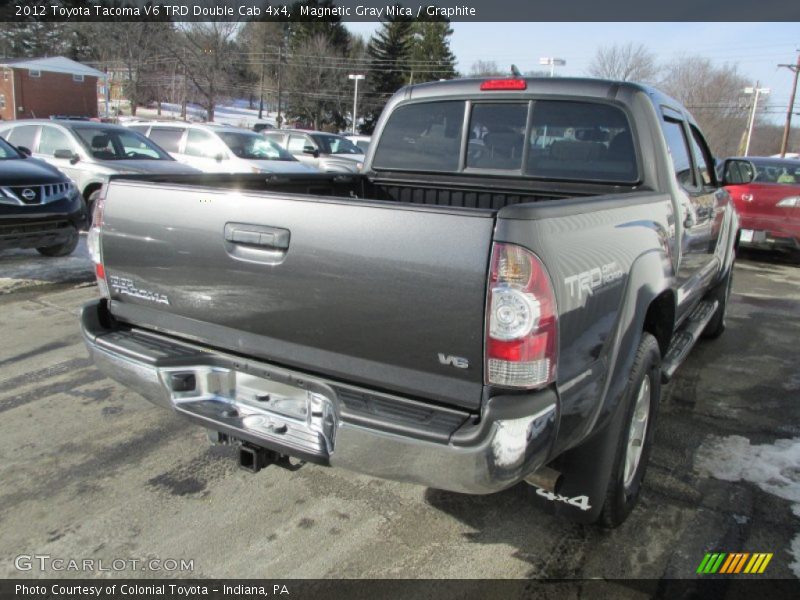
496	298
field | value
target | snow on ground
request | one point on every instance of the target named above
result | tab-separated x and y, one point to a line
26	268
775	468
238	116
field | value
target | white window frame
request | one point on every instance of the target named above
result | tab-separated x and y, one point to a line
77	77
2	101
34	73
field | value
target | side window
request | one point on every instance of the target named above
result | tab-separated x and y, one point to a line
297	143
702	157
51	140
140	128
169	138
24	135
202	144
679	149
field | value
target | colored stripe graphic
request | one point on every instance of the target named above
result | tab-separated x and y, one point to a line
734	563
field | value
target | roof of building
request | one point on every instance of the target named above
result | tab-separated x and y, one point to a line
53	64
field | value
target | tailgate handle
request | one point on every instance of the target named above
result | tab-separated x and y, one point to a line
273	238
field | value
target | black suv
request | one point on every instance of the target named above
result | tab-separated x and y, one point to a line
39	207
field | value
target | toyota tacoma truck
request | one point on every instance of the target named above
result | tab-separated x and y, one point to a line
496	298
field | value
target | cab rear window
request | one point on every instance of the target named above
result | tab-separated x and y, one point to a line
547	139
422	137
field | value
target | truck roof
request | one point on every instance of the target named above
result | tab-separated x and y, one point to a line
568	86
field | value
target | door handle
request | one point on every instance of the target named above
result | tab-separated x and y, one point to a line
263	236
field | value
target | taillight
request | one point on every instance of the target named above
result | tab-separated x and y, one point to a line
522	324
504	84
94	244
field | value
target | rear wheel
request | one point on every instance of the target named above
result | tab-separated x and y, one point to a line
63	249
721	294
636	441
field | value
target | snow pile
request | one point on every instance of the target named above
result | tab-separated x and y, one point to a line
775	468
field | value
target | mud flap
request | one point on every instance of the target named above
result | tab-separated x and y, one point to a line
585	473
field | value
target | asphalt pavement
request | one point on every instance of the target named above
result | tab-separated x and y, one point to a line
92	471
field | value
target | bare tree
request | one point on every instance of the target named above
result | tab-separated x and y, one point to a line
624	62
714	95
486	68
206	52
317	93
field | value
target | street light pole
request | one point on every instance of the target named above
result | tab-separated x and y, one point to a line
356	78
788	126
553	62
756	91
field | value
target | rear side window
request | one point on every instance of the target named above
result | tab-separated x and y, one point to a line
51	140
24	135
422	137
676	142
298	143
203	145
168	138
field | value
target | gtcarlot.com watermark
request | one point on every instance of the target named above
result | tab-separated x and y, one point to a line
45	563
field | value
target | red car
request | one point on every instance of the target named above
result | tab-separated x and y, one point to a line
766	193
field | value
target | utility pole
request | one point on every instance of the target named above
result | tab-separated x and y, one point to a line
356	78
261	92
756	91
183	98
787	128
278	119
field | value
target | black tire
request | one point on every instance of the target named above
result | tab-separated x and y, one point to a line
90	208
721	293
63	249
624	485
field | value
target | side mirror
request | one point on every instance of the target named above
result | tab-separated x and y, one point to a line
311	150
66	154
25	150
219	157
737	172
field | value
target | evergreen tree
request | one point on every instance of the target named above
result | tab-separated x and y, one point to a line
389	51
431	57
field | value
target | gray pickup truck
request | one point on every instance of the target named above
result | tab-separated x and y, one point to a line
496	298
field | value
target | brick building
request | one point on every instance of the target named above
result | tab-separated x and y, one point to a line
42	87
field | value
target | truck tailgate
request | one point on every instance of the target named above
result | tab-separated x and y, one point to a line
386	295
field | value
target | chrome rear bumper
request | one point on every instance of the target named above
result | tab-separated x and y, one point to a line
311	418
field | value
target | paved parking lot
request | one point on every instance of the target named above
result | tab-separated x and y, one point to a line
90	470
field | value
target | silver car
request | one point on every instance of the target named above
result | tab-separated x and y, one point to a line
88	152
324	151
220	149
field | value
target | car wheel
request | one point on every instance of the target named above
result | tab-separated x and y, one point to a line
721	294
63	249
634	445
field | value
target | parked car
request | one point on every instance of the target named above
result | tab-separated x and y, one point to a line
39	206
463	321
221	149
327	152
88	152
766	192
362	141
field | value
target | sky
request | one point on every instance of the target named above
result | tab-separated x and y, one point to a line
756	48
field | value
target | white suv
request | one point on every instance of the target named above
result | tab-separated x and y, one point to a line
220	149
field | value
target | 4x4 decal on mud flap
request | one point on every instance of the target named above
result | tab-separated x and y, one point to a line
581	502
